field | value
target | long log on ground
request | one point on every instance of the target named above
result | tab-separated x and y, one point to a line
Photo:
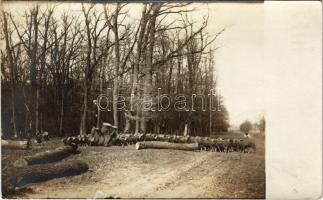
15	144
167	145
38	173
46	156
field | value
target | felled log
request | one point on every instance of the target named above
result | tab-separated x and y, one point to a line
46	156
15	144
37	173
167	145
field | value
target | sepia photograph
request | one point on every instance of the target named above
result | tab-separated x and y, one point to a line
132	100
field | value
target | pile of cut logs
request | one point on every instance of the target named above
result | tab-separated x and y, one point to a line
97	137
149	140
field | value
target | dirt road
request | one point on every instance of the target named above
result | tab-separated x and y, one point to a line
150	173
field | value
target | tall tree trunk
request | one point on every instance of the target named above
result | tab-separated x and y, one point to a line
27	111
148	70
127	124
61	119
170	78
33	72
115	101
211	63
39	82
14	128
37	110
137	126
84	111
117	65
41	122
98	122
12	72
87	78
143	23
27	124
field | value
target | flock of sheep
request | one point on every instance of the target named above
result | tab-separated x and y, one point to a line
245	145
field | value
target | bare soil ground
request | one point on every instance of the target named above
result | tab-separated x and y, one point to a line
151	173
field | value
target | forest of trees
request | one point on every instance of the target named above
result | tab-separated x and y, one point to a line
55	63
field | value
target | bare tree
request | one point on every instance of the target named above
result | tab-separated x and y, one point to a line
12	64
93	33
120	60
28	36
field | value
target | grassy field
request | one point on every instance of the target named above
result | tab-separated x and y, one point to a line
152	173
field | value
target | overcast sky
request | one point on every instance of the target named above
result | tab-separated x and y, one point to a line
239	60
